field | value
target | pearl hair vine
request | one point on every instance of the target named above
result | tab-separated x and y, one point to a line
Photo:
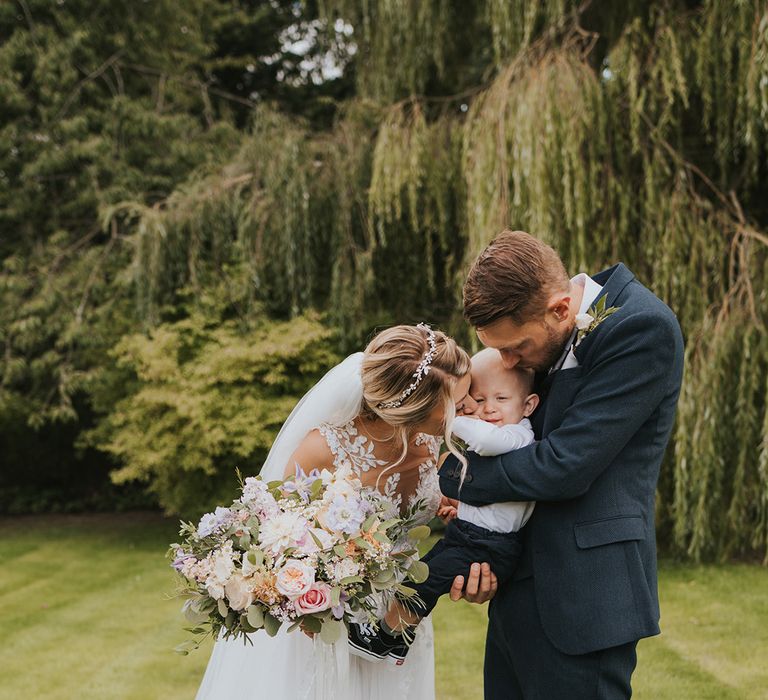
421	371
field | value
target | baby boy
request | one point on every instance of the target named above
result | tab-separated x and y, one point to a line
488	533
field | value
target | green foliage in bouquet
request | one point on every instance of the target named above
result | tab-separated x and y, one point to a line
314	551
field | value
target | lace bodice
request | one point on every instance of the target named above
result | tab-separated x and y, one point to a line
412	486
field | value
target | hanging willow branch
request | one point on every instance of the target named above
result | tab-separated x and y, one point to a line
651	156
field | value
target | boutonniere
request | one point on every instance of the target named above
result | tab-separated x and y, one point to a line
596	314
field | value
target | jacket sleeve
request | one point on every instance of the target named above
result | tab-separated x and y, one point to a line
489	440
634	368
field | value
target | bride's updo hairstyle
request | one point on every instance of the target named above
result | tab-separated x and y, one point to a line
389	363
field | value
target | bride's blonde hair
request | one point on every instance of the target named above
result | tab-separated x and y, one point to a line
389	363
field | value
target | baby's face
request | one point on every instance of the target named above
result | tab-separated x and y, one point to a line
500	396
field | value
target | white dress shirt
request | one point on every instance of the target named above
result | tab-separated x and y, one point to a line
489	440
591	291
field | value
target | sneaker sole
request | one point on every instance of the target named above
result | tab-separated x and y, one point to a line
395	660
363	653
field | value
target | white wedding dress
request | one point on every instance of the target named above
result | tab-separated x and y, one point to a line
292	666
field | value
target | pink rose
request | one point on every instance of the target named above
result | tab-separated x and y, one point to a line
316	599
294	578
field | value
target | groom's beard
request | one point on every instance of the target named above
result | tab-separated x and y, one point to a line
554	347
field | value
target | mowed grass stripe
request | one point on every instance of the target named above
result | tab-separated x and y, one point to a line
108	631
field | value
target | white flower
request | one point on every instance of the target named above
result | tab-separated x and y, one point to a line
257	497
250	569
344	515
223	564
346	567
308	545
340	487
215	588
238	593
583	321
282	531
294	578
206	525
223	516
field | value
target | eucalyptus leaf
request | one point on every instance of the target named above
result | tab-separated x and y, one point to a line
255	616
311	624
420	532
418	572
271	625
332	631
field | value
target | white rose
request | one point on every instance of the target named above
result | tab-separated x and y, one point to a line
215	588
346	567
294	578
238	594
583	321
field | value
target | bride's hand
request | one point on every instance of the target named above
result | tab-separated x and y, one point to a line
481	585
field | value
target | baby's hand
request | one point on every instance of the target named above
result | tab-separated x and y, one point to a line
448	509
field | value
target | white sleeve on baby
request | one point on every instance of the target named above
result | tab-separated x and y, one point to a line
489	440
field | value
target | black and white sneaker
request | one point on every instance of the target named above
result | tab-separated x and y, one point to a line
398	653
375	645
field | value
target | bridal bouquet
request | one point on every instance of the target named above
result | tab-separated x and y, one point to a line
314	551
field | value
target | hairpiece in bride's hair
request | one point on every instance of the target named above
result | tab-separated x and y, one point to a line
421	371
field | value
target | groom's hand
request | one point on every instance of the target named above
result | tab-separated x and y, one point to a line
481	585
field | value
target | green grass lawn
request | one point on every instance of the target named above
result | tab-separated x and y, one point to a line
84	614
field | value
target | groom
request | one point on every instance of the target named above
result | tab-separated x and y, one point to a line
567	625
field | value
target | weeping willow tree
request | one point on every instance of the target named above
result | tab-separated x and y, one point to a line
630	131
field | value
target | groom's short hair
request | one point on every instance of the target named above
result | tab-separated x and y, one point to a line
513	277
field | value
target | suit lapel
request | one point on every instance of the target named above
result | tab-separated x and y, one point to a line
613	280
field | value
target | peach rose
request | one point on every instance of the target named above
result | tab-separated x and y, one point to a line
294	578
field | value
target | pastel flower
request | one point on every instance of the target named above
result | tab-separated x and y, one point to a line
308	543
294	578
302	483
344	514
181	559
583	321
282	531
223	564
345	568
215	588
257	497
206	525
238	592
316	599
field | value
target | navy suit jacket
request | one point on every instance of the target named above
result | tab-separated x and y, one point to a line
602	427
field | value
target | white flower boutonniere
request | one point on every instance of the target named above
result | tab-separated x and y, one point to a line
596	314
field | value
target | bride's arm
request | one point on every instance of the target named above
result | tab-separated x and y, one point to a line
312	453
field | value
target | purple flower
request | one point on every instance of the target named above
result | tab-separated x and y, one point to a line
181	557
302	483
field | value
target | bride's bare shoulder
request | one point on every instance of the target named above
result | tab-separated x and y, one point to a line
312	453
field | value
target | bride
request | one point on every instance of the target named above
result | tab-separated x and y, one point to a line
381	413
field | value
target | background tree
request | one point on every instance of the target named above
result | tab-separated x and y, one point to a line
632	131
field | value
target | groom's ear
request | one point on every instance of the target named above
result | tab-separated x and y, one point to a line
559	306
